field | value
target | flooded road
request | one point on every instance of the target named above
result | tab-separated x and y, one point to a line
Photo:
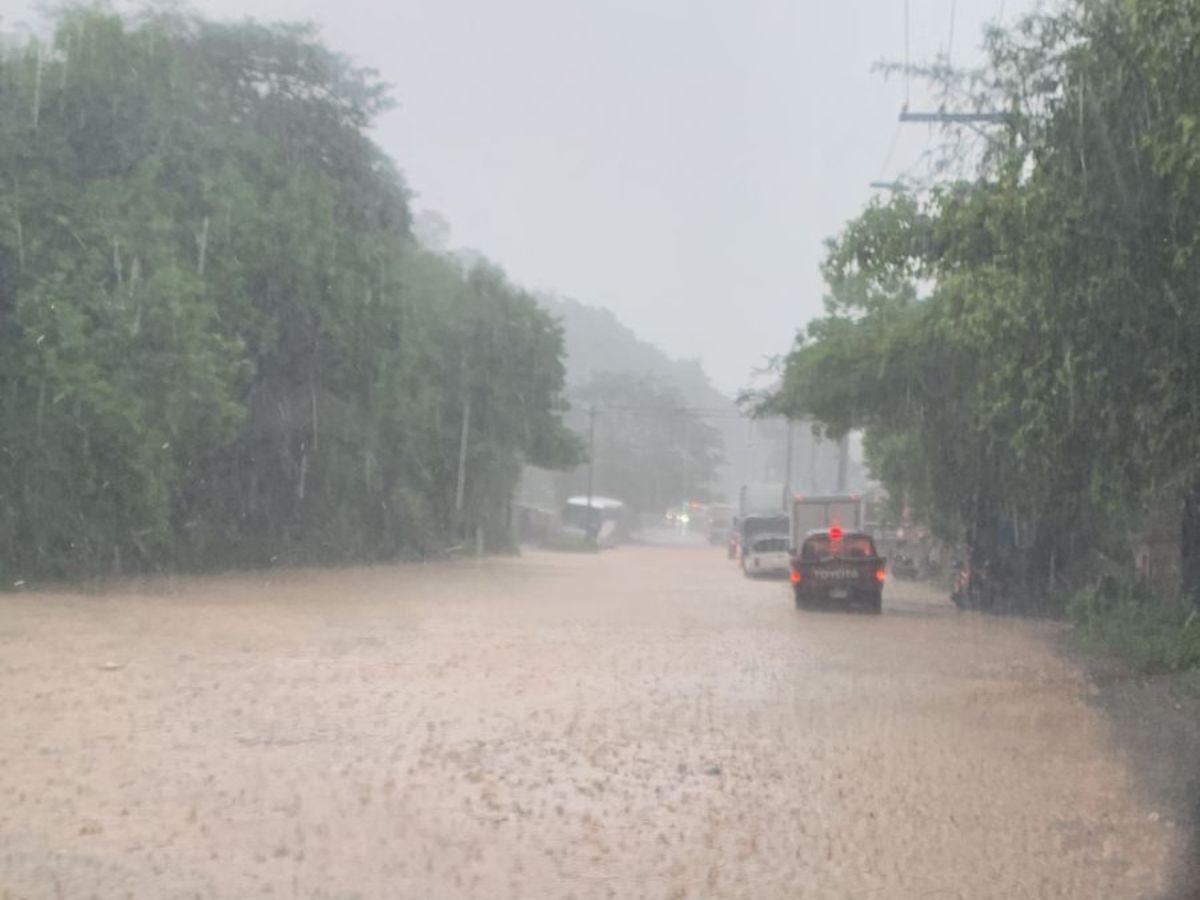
641	723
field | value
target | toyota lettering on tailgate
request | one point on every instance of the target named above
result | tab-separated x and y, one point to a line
835	574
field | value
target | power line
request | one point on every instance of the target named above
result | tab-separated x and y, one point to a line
701	412
887	160
950	40
907	58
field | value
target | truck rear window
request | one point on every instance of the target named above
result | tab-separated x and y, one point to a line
771	545
852	546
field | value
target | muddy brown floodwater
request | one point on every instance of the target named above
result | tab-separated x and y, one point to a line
641	723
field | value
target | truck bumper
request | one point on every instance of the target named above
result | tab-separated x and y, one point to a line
868	598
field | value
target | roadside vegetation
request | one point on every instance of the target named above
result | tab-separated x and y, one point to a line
1019	344
1130	621
219	343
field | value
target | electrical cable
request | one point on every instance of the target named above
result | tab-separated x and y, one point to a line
907	60
950	40
887	161
697	411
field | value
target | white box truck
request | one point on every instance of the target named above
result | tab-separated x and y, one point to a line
809	513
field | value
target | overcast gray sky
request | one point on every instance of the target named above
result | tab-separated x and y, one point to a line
678	161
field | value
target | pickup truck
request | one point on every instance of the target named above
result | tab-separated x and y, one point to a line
836	567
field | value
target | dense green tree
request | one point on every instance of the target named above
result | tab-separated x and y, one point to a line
219	344
1047	376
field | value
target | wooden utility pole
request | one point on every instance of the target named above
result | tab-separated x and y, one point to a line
843	462
591	454
37	87
460	490
788	465
813	450
687	475
202	243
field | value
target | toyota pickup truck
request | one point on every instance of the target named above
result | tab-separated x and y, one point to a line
832	567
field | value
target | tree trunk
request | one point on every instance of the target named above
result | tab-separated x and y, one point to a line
37	87
301	482
1189	544
202	246
459	492
312	396
20	240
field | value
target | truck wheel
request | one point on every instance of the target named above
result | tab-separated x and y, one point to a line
875	606
801	602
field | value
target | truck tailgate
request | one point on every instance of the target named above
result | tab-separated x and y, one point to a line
834	573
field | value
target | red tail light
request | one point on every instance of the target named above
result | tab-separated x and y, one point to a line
880	574
795	576
835	533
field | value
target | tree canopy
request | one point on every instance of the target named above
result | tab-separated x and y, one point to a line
1021	347
219	344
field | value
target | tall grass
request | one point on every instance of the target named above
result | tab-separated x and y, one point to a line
1127	619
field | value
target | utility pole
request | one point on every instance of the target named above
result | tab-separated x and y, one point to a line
787	466
591	453
843	462
751	470
813	451
460	490
686	467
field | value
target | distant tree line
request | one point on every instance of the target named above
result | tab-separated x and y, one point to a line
655	415
1022	346
219	344
651	450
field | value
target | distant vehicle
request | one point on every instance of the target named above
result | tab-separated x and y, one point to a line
807	513
751	527
720	523
767	555
762	498
601	519
836	567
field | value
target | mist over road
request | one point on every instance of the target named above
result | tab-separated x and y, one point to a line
639	723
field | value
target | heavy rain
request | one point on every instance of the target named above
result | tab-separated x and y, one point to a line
548	450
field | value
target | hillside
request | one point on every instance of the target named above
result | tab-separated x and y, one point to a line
598	344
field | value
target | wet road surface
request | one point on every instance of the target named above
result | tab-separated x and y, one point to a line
640	723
